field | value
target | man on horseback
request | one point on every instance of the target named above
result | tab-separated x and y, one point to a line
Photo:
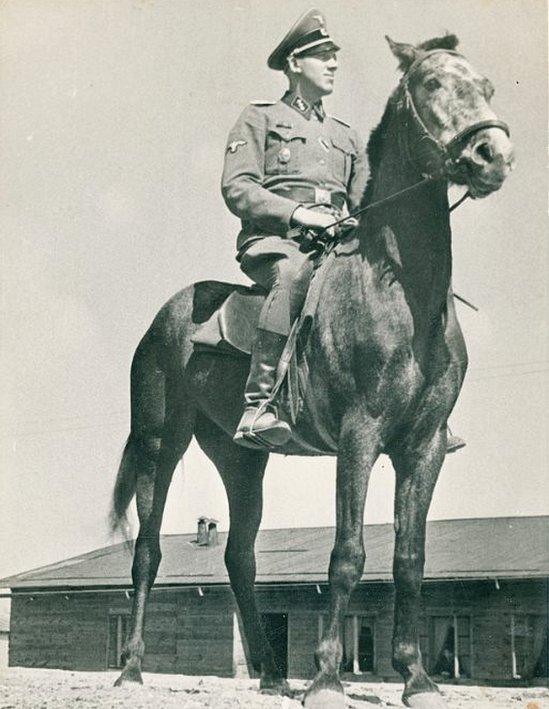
288	165
289	169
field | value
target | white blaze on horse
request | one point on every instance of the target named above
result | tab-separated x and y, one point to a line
385	363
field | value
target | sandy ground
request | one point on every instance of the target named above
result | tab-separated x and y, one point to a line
50	689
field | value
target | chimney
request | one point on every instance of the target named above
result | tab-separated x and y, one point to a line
206	535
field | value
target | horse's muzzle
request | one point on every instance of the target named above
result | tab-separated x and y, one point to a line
484	163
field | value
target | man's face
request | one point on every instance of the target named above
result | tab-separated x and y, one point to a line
318	71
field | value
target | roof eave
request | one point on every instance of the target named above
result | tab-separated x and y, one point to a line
123	585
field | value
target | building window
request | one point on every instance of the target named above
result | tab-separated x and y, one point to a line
118	629
528	645
358	639
541	670
276	629
447	647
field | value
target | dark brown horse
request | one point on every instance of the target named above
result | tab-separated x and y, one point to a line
386	358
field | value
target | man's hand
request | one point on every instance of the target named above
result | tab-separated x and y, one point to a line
347	225
311	219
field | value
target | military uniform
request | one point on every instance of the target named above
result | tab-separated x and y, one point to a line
284	154
281	156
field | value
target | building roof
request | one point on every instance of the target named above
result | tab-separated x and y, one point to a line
500	547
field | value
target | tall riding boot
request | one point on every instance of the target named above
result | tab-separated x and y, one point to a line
259	427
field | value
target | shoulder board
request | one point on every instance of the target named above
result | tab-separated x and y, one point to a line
262	103
340	121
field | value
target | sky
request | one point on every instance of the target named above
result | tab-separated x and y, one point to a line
113	127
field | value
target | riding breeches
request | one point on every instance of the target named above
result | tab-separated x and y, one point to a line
280	267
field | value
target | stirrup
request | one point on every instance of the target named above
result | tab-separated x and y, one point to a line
252	441
251	437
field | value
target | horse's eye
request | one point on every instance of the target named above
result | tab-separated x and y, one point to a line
432	84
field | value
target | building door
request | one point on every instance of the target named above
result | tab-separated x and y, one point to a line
118	628
276	628
358	645
358	639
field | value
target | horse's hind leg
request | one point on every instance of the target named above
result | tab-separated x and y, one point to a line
162	427
242	470
153	481
416	475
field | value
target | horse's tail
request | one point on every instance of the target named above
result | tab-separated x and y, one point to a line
124	490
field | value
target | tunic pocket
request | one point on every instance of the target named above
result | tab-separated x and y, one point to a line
283	150
342	158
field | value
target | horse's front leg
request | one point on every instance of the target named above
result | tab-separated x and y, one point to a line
358	446
416	475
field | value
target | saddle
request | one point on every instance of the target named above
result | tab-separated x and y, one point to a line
231	330
232	327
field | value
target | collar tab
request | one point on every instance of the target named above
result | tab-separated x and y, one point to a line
303	107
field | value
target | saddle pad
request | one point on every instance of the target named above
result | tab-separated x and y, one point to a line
233	325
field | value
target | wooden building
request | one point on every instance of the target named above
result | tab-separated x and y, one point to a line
484	604
4	637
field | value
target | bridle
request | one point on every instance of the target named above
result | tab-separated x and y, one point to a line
442	155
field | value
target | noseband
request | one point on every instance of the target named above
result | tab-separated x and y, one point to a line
447	154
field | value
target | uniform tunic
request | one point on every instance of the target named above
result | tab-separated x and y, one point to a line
280	156
274	149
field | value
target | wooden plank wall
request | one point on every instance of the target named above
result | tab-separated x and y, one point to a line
304	608
205	633
488	607
184	633
192	634
66	632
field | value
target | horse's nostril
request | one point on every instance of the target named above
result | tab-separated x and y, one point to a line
484	151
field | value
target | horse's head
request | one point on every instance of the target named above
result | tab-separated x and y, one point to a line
452	130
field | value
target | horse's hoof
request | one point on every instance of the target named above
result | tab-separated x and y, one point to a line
130	676
279	688
425	700
324	699
125	682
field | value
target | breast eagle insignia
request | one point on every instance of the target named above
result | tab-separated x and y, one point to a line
233	147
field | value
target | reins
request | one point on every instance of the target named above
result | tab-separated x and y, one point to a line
380	202
447	152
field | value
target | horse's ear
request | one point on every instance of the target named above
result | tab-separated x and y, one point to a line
405	53
448	41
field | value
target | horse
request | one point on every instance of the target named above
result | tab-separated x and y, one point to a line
386	363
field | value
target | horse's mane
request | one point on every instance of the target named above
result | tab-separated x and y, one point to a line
374	149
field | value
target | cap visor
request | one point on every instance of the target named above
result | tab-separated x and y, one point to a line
323	45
